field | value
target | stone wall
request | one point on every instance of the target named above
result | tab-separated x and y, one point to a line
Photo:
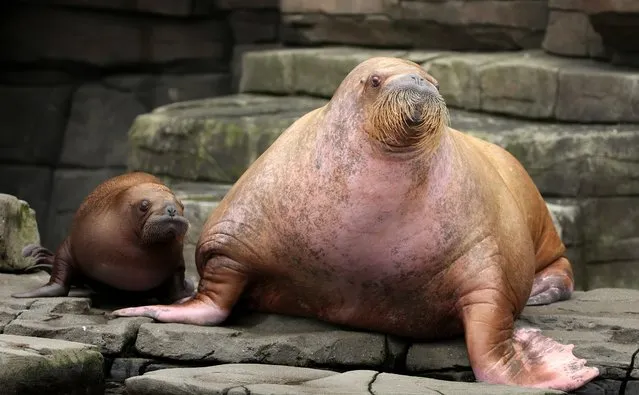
75	74
73	77
602	30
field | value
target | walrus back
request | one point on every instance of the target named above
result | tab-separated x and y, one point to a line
546	240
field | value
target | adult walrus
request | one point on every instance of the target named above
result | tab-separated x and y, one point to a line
371	212
127	235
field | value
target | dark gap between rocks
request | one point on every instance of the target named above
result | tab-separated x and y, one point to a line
624	382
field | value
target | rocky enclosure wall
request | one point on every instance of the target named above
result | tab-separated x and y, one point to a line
74	74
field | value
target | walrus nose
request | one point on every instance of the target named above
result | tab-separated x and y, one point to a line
171	210
411	81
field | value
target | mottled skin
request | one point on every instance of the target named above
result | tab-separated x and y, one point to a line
372	213
127	235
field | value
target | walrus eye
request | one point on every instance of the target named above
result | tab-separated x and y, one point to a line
375	81
145	205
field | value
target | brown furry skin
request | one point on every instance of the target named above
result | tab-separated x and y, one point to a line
371	212
122	238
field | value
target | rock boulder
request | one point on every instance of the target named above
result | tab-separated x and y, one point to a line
18	227
33	366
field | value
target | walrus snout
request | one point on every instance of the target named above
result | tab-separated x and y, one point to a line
165	224
171	210
412	82
163	228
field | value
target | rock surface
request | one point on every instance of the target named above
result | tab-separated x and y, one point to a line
18	227
617	21
62	36
569	31
528	84
602	324
218	138
258	379
448	24
31	365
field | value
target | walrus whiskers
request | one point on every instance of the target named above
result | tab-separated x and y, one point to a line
392	115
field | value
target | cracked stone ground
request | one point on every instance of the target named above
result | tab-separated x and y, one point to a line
71	341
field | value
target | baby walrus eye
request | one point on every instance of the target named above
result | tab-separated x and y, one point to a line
145	205
375	81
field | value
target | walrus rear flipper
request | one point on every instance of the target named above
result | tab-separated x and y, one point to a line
43	258
61	270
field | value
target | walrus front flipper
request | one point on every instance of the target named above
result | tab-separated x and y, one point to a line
48	290
500	354
221	284
552	284
61	271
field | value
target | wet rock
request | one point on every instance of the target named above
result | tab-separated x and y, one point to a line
253	379
123	368
268	339
30	365
111	336
7	315
601	323
388	383
18	228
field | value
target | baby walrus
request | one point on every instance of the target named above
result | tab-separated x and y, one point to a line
127	235
371	212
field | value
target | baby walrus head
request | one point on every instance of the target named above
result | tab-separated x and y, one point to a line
157	214
401	104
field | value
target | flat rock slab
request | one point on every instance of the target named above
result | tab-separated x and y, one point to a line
528	84
31	365
257	379
603	324
264	338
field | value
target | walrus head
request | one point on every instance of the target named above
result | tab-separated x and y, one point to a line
401	103
158	214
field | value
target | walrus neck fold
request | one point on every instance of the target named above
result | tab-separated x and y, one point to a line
406	120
